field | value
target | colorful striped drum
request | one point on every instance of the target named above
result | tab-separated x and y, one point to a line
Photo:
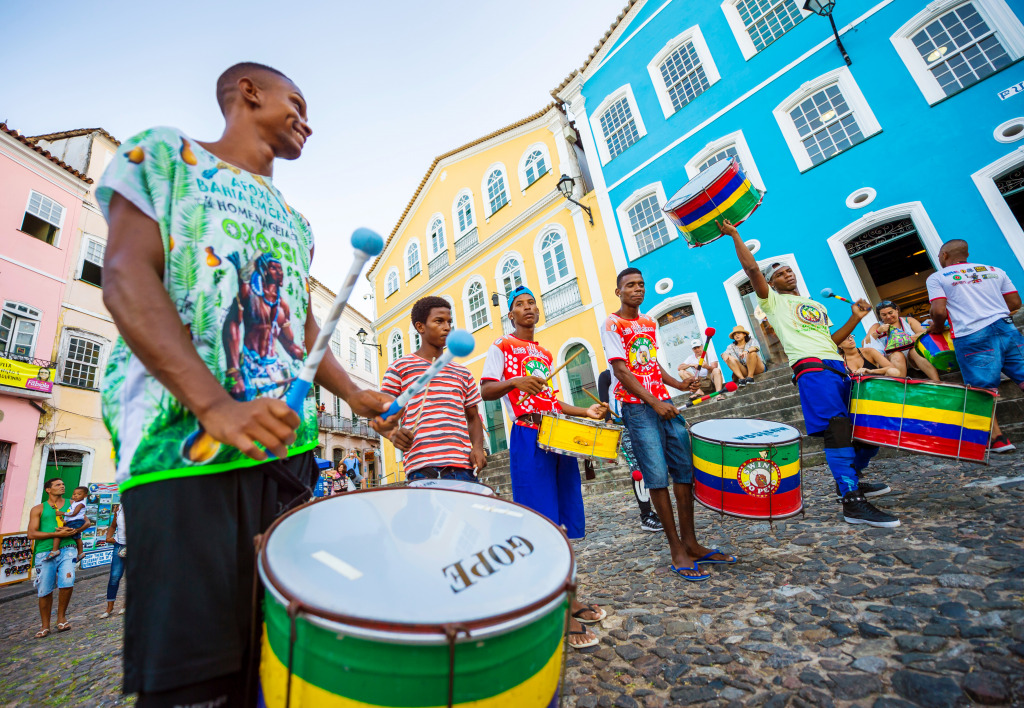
747	467
721	191
934	418
414	597
938	350
456	485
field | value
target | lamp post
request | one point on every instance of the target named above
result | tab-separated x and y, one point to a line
824	8
565	187
495	299
361	335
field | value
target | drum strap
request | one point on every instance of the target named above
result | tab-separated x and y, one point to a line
808	365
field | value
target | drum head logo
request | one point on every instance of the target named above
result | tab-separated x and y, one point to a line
759	477
809	314
642	352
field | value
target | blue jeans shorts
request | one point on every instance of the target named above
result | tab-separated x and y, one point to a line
996	348
462	474
661	447
76	524
59	572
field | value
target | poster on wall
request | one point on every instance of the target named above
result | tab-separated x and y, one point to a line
15	557
99	507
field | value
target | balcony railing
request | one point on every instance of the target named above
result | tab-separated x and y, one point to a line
438	264
14	356
344	424
565	298
465	242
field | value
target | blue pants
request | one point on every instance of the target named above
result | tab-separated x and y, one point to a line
546	482
116	571
996	348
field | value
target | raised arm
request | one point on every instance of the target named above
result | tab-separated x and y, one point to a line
860	309
747	260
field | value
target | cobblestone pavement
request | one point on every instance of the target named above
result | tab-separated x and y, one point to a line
816	613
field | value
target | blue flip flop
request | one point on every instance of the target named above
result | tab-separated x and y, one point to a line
690	578
710	561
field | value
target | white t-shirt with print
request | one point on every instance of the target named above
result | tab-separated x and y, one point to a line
709	358
973	294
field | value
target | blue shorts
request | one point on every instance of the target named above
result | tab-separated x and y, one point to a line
59	572
996	348
824	395
661	447
75	524
546	482
462	474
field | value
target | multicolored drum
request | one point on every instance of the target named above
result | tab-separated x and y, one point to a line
721	191
414	598
923	416
456	485
747	467
938	351
579	437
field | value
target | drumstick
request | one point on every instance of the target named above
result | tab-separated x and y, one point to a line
552	374
827	292
599	402
729	388
460	343
709	332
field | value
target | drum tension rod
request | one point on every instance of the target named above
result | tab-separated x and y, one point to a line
451	632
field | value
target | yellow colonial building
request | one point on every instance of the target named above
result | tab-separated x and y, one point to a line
489	216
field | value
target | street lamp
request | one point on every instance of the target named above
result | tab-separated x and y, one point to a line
495	299
361	334
565	187
824	8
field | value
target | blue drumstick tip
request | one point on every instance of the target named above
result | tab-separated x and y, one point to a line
826	292
367	241
460	343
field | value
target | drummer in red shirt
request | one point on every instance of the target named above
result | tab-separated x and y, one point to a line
517	369
661	442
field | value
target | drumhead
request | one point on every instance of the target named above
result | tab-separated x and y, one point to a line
454	484
698	184
745	431
407	559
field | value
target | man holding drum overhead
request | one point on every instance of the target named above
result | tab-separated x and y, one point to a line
206	268
977	300
517	368
819	371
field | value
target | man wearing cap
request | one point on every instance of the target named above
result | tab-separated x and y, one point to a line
517	370
803	327
743	356
708	371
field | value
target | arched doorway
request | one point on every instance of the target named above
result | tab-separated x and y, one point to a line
66	464
494	426
893	264
676	329
581	375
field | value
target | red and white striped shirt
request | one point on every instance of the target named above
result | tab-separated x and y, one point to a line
441	438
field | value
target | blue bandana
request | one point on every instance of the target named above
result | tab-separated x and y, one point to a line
520	290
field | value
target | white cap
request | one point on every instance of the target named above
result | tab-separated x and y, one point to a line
696	343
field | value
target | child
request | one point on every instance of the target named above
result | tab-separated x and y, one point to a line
73	518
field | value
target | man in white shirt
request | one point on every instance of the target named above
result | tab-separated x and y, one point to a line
977	300
709	371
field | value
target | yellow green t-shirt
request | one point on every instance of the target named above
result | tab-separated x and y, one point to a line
802	325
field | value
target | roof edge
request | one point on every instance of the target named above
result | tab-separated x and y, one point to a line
27	142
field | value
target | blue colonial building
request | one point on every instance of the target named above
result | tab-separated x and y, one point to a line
867	168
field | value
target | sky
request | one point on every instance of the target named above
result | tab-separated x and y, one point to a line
390	85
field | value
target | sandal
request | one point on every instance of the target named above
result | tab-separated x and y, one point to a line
730	559
51	555
63	626
42	633
590	643
601	614
104	615
691	578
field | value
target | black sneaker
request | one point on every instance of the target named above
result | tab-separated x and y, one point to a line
858	510
741	382
868	489
748	380
651	523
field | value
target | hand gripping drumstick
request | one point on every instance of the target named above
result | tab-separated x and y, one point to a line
599	402
827	292
460	343
729	388
709	332
367	244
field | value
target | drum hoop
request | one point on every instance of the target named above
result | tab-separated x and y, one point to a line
916	382
710	175
582	421
413	628
753	445
408	485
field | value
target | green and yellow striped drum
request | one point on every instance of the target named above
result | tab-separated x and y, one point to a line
414	597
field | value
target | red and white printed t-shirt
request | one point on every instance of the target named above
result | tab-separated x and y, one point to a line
510	357
442	433
636	343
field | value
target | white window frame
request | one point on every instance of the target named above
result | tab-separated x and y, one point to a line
335	344
498	275
451	304
353	351
413	336
626	228
483	188
405	258
694	35
368	359
387	293
595	120
476	280
671	303
742	149
985	180
732	283
14	328
996	13
86	238
739	30
862	112
545	155
63	214
539	262
431	253
395	333
466	192
65	345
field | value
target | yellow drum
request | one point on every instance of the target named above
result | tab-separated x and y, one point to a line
579	437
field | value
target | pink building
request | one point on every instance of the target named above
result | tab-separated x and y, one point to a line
41	202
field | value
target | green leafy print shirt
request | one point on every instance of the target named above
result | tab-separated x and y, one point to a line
237	269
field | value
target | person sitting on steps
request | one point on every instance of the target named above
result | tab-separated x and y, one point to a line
743	356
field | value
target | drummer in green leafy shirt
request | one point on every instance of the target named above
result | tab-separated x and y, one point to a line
804	328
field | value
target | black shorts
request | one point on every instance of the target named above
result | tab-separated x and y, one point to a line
189	615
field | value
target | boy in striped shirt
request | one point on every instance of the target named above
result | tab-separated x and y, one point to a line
441	434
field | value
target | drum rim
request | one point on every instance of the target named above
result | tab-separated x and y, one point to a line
583	421
409	485
751	518
273	581
710	174
866	377
798	437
